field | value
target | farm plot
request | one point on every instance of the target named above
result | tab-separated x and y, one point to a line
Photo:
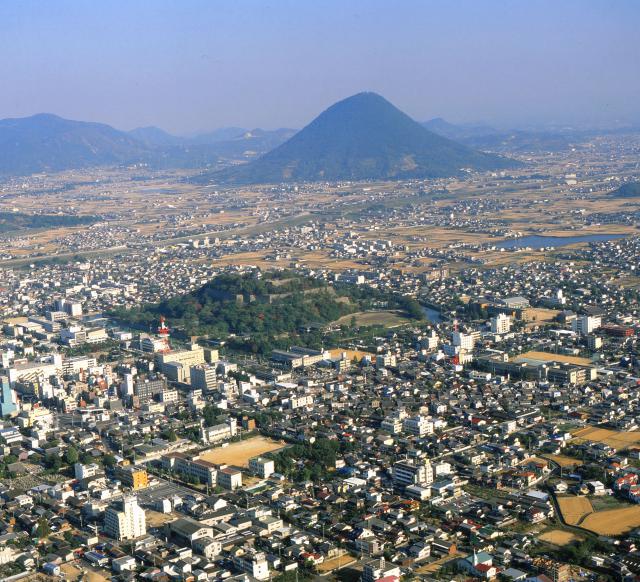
574	508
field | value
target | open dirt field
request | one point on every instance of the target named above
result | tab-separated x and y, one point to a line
540	314
351	354
559	537
73	572
613	522
574	508
385	318
550	357
238	454
564	461
432	567
157	519
613	438
334	563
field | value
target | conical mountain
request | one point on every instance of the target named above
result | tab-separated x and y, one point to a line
363	137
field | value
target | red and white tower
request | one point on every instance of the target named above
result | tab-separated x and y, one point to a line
163	330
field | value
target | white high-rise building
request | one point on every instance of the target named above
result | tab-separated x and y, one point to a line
405	473
501	324
466	341
128	522
418	425
585	324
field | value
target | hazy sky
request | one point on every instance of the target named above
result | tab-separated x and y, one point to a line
188	65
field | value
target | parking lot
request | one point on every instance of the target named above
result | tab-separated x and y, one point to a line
151	495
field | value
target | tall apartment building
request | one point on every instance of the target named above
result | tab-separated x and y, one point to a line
146	388
392	425
253	563
385	360
585	324
126	522
501	324
133	477
409	472
417	425
8	403
262	466
204	377
466	341
378	569
72	308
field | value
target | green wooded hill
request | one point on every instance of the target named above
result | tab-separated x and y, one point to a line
363	137
275	304
11	221
629	190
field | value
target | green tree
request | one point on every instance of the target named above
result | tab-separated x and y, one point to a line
71	456
170	435
109	460
43	529
53	462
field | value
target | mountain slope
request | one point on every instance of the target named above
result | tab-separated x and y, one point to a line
47	142
360	138
155	137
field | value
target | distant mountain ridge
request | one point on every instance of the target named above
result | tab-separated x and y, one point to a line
363	137
49	143
46	142
502	140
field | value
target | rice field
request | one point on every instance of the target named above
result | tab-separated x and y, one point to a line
578	511
558	537
613	438
613	522
574	508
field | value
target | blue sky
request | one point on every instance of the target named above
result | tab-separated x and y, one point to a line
189	65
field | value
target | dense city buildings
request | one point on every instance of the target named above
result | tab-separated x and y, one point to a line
295	388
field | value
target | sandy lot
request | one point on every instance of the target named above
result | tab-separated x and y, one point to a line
613	438
551	357
614	521
559	537
238	454
574	508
